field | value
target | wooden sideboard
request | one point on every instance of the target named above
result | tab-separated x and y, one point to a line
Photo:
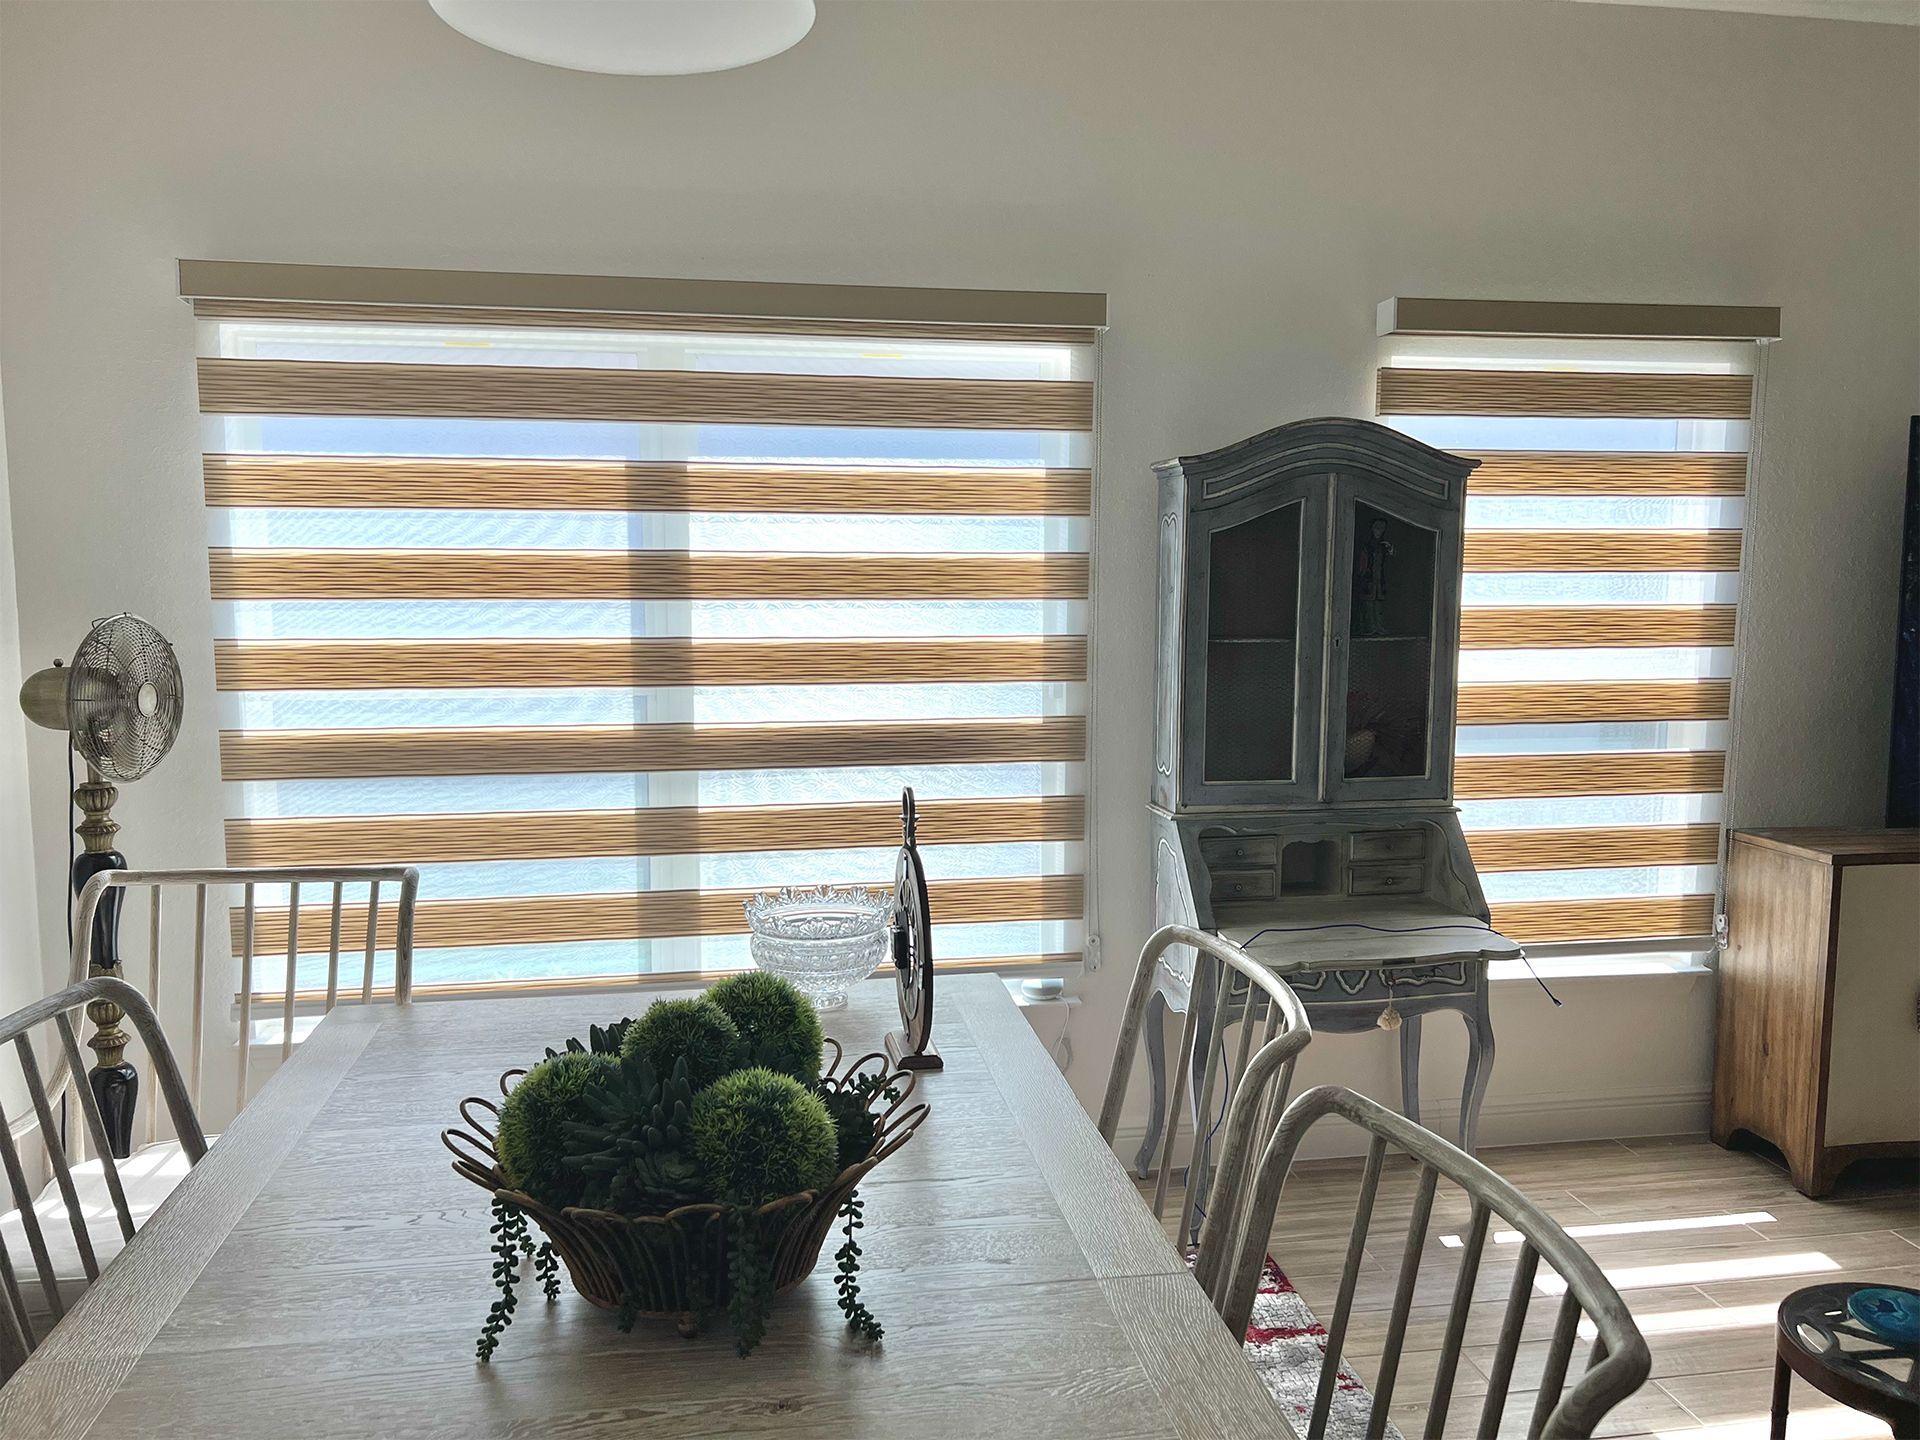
1818	1051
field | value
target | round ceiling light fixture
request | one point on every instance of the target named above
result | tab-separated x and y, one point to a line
634	37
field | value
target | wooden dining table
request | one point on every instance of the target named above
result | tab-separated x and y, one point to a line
323	1272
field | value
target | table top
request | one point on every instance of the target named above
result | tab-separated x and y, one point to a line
1839	847
1816	1332
323	1272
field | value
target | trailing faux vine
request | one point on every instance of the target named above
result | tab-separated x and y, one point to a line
509	1234
512	1243
852	1106
859	1318
548	1269
749	1271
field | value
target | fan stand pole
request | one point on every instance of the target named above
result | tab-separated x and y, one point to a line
116	1084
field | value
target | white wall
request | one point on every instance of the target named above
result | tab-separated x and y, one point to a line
1246	181
23	977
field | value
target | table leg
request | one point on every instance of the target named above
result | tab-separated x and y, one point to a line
1410	1067
1155	1023
1479	1068
1782	1387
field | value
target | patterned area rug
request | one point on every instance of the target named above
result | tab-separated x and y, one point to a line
1286	1345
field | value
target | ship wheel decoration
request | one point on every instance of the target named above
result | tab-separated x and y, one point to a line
911	1046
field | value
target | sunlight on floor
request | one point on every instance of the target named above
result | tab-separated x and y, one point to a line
1701	1272
1689	1322
1826	1423
1631	1227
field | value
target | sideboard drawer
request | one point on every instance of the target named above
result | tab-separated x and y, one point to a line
1388	845
1245	885
1404	879
1232	850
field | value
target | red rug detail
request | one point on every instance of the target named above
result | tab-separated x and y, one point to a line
1286	1344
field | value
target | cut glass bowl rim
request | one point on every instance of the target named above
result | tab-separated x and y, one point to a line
777	915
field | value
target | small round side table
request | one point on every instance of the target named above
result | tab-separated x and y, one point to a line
1816	1339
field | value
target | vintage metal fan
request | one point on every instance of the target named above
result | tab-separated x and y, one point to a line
911	1046
120	703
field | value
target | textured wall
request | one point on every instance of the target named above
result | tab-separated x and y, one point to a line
1246	181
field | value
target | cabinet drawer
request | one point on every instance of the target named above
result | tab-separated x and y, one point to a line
1389	845
1232	850
1402	879
1244	885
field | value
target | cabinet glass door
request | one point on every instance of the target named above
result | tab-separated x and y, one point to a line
1253	648
1390	621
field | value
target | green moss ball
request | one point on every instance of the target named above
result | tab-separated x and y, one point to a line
779	1024
758	1136
531	1138
697	1029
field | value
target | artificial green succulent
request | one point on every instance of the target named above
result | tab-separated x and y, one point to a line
695	1030
778	1025
635	1149
531	1139
601	1040
853	1123
759	1135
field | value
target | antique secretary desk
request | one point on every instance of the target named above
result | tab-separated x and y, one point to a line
1302	800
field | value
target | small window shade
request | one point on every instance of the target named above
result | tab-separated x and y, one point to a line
1603	552
608	620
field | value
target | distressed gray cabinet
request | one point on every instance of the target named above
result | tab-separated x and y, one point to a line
1302	795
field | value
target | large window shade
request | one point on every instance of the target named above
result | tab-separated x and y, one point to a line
607	622
1602	559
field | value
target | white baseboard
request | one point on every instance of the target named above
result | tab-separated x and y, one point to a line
1542	1120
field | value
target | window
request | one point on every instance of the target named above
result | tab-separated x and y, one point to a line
1602	577
607	622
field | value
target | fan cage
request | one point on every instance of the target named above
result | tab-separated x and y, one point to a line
124	698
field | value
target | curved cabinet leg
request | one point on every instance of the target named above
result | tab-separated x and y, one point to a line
1410	1067
1479	1069
1155	1023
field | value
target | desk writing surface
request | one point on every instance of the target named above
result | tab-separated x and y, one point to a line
1319	935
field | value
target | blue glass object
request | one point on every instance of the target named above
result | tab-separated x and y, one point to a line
1892	1314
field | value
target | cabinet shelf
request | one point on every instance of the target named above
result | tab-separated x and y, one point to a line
1388	639
1250	640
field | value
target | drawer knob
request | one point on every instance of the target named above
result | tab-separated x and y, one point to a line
1239	888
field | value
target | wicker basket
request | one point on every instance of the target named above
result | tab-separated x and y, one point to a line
675	1266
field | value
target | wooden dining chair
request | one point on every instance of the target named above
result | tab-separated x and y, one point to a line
277	934
23	1324
1232	990
1616	1365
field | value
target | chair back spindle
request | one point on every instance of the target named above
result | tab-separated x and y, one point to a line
1230	988
310	936
21	1330
1616	1366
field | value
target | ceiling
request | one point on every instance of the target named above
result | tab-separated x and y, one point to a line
1884	12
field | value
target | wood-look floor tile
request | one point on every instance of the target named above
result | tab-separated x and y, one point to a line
1705	1293
1735	1405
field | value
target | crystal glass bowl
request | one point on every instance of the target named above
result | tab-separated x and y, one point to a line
823	940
